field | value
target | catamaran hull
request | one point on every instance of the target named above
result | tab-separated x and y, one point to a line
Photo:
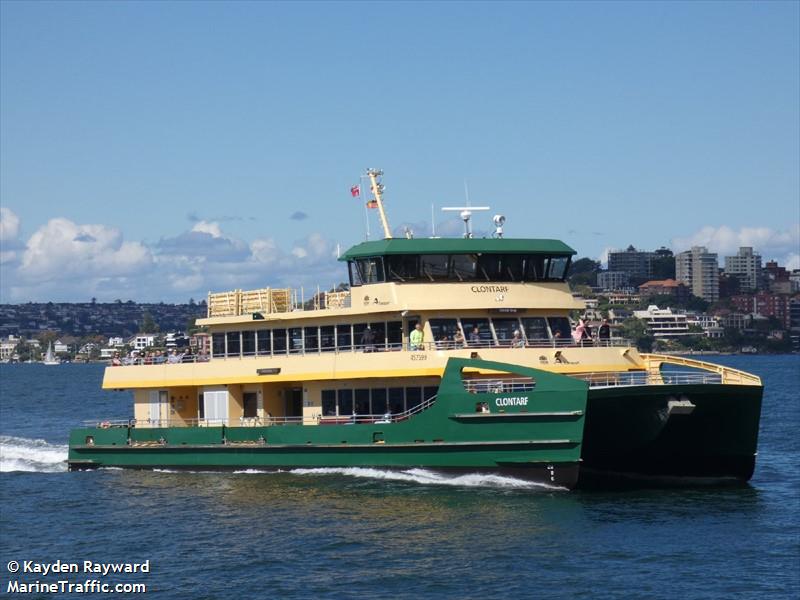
671	434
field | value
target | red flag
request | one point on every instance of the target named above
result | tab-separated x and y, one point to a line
355	191
372	204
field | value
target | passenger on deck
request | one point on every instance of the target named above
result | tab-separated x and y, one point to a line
458	339
417	338
516	340
604	332
475	337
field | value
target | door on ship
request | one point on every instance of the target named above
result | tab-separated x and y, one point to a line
294	402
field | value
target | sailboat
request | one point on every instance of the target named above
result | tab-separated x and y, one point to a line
50	358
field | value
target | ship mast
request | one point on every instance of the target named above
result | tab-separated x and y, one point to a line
377	189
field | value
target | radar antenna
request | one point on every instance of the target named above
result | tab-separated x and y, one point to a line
466	215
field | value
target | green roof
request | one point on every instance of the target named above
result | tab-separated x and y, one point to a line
457	246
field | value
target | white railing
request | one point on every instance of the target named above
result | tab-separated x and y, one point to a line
266	421
499	386
640	378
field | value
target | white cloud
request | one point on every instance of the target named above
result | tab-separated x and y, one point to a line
9	224
63	250
209	227
725	240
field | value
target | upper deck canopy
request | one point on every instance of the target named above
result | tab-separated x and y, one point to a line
399	246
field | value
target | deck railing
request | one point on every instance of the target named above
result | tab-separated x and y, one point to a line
655	362
499	385
368	348
268	420
640	378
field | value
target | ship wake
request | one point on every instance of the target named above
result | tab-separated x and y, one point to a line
426	477
33	456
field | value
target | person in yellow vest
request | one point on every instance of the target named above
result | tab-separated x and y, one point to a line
417	338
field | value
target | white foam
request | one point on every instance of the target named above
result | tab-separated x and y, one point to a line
425	477
34	456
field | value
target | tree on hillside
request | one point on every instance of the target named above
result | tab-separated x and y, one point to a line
584	272
148	324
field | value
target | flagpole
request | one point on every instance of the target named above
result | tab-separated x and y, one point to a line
366	209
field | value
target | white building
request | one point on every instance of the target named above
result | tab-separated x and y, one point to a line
59	346
711	326
746	267
698	269
116	342
143	340
663	323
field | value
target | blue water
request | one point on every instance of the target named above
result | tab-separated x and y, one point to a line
374	534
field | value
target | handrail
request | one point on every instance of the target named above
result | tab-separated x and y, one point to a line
728	375
374	348
640	378
499	385
267	421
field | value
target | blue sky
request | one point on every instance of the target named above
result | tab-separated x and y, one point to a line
156	151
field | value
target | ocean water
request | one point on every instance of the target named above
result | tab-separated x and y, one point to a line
369	533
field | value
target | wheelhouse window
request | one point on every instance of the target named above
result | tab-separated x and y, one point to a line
516	267
366	270
434	266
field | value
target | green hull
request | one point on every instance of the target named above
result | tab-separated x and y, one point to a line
540	440
631	434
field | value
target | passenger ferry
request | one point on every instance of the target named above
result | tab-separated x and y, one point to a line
447	354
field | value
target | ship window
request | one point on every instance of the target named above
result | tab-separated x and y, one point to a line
343	337
279	341
263	342
443	331
394	334
371	269
413	397
218	344
504	329
311	339
295	340
378	401
327	338
534	268
463	267
355	277
250	400
362	402
434	267
201	413
396	400
379	329
345	402
513	267
328	403
234	343
559	327
481	338
535	330
558	267
248	343
429	392
403	267
358	335
489	267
